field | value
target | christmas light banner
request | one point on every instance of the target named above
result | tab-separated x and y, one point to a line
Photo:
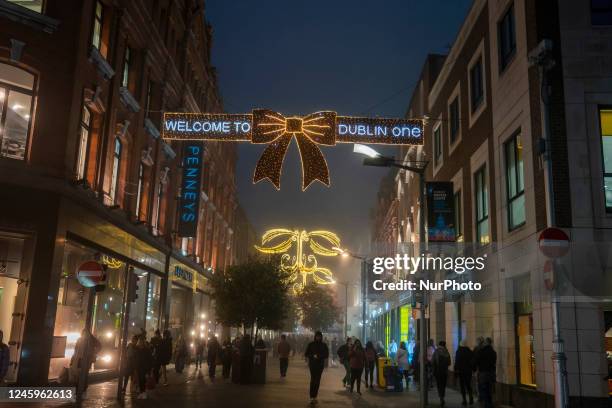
264	126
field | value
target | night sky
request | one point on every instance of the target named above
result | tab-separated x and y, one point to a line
297	57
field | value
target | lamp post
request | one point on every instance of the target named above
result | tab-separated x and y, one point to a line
364	288
376	159
345	306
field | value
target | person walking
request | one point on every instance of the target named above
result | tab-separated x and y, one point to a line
214	351
357	360
5	358
440	362
402	362
246	359
144	363
180	354
283	350
129	366
485	360
371	356
199	353
156	342
343	357
464	359
85	351
228	350
334	350
316	354
165	355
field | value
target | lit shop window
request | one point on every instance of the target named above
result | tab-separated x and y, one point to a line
34	5
116	169
482	210
84	131
515	182
605	117
523	308
16	105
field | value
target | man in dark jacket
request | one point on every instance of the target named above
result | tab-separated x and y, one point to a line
464	359
343	352
440	362
283	354
485	361
316	353
155	342
214	350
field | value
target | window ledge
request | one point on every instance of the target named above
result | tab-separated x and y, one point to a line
128	99
168	151
28	17
103	66
151	128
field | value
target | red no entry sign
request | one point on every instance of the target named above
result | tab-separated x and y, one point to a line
90	274
553	242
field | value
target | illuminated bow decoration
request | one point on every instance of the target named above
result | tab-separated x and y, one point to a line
301	265
277	131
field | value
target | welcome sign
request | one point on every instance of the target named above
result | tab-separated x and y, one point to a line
264	126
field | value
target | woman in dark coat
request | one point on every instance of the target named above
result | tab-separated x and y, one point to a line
165	354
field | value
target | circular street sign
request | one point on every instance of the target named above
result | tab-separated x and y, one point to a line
90	274
549	274
553	242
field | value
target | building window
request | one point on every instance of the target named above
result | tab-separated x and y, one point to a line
458	223
605	119
149	96
437	146
16	107
125	79
482	210
158	204
506	35
84	131
100	30
601	12
34	5
139	189
476	85
116	169
453	114
515	182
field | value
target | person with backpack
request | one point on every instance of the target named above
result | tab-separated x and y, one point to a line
343	357
464	360
440	362
371	357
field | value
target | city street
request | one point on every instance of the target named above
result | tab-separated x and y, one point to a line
187	390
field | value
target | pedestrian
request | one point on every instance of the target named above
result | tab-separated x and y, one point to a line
441	360
246	359
5	357
180	354
393	350
343	357
144	363
334	350
431	349
357	360
479	344
129	366
226	358
260	343
316	353
85	352
402	361
485	360
283	349
199	353
214	351
464	359
416	362
371	358
165	355
156	342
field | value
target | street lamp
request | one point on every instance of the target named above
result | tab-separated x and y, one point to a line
364	280
376	159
